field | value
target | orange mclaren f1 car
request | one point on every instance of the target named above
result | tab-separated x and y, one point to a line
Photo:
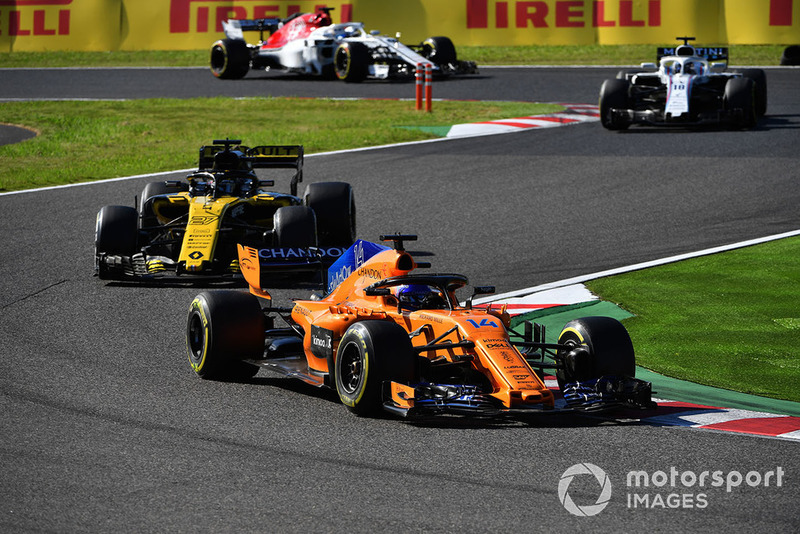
385	337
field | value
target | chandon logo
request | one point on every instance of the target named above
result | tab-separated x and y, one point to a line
602	480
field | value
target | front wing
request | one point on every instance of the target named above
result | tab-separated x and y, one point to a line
657	117
599	395
288	268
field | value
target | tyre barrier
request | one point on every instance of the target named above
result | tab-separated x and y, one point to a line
791	55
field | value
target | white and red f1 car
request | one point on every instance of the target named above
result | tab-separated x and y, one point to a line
689	86
310	44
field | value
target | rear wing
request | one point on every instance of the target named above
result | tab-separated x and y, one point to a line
710	53
259	157
286	267
234	29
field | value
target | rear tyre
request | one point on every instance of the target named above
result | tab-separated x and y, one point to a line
230	59
294	227
147	215
116	234
614	95
599	346
740	95
370	353
760	82
224	328
351	62
335	209
439	50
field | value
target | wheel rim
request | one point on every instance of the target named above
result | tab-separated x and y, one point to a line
196	337
342	62
351	369
218	59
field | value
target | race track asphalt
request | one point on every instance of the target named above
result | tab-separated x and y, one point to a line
105	428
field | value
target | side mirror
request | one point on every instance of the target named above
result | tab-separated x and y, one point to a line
648	65
480	290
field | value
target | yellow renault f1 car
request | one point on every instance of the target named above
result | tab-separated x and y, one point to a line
189	230
387	338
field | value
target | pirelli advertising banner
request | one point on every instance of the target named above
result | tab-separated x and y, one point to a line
43	25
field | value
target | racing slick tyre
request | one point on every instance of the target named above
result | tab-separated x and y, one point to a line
224	328
614	95
740	95
335	208
602	347
439	50
230	59
370	353
294	226
147	218
116	234
760	81
351	61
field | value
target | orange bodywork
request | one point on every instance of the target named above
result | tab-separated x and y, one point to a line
480	336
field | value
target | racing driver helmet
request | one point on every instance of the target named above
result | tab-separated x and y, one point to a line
420	297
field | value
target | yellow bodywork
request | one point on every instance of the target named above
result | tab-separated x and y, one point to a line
204	218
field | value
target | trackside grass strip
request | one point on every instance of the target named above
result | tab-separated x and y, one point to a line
728	320
81	141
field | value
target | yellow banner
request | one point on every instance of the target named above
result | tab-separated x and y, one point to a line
57	25
565	22
195	24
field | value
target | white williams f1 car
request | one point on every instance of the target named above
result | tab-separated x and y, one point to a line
688	87
311	44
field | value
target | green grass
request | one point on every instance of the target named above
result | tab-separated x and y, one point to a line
82	141
728	320
483	55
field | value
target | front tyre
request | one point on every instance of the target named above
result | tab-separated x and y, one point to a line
351	62
614	95
370	353
439	50
294	227
224	328
335	209
116	234
740	95
230	59
597	347
760	82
